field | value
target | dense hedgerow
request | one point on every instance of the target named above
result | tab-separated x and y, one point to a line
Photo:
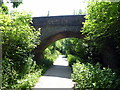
18	41
102	29
93	76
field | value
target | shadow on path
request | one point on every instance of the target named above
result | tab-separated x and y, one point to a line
58	76
59	71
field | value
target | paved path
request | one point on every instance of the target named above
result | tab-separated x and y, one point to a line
58	76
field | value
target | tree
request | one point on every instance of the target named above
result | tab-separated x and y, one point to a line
102	27
15	4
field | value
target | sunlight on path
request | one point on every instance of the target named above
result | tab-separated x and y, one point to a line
61	61
58	76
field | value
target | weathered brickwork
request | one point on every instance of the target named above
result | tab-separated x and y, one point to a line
54	28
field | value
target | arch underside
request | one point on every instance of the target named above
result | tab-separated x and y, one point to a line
49	40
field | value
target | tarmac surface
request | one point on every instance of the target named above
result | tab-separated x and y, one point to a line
58	76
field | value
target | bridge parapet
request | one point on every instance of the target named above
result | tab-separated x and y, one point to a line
55	24
70	20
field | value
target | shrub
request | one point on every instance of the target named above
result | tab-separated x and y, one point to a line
50	55
72	59
28	80
92	76
101	28
18	41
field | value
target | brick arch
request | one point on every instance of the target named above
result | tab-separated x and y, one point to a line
47	41
54	28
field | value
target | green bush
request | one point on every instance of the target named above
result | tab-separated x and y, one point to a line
29	80
18	41
74	46
92	76
50	55
102	30
72	59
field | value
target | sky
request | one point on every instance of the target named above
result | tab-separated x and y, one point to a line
55	7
